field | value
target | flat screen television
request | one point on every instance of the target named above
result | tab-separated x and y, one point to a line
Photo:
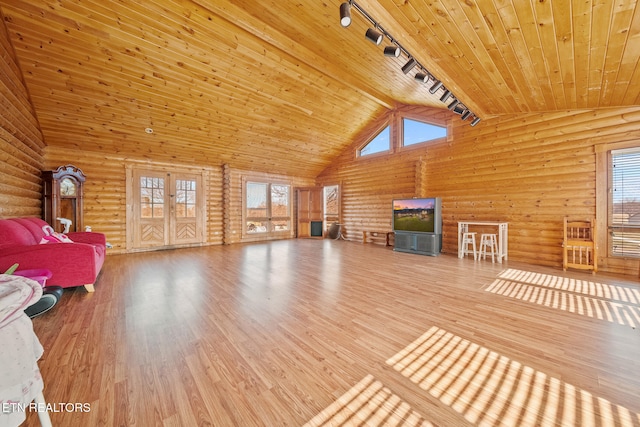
419	215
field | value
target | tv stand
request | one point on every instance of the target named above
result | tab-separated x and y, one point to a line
418	243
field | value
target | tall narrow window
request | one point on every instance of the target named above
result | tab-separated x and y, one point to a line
624	211
331	204
257	219
415	132
280	216
378	144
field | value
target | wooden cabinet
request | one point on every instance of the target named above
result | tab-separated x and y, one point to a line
62	197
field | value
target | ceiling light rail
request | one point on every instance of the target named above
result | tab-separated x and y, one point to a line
376	35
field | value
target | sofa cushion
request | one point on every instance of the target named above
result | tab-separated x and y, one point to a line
12	233
34	225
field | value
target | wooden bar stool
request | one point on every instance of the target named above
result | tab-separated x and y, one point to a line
469	239
488	241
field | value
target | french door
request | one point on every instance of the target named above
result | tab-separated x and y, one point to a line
167	209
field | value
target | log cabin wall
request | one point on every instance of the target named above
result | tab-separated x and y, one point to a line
530	170
21	143
369	184
105	194
234	215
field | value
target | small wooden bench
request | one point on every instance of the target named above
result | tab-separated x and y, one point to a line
378	237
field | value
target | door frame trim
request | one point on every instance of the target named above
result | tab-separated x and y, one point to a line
129	217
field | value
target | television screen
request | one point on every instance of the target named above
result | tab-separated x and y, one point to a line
417	215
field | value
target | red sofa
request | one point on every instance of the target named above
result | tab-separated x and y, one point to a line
22	241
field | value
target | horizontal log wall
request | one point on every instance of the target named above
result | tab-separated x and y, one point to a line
105	194
235	202
369	184
21	143
528	170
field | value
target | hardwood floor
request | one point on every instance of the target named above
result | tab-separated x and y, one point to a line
339	333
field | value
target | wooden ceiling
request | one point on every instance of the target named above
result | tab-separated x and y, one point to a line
280	86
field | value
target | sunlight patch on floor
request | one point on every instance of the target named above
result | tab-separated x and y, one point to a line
489	389
368	403
612	303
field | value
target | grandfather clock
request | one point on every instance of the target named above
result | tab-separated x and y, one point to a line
63	197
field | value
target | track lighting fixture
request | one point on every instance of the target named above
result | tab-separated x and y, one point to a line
422	77
377	33
374	36
437	85
445	95
409	65
345	14
392	51
459	108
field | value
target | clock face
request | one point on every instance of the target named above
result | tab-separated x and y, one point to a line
67	187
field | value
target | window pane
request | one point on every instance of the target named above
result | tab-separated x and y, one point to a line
257	226
415	132
280	225
331	201
146	210
378	144
185	198
256	200
279	200
625	212
151	197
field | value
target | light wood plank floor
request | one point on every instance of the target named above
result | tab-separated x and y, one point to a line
339	333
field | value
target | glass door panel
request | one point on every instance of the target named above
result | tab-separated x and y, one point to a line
186	223
149	209
267	208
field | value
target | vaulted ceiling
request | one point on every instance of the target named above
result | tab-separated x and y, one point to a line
281	86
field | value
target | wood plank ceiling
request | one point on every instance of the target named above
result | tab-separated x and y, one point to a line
280	86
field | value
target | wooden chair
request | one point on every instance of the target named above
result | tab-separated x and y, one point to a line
579	248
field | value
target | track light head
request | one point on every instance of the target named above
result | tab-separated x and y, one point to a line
392	51
374	36
475	121
437	85
453	104
422	77
445	95
459	108
409	65
345	14
465	115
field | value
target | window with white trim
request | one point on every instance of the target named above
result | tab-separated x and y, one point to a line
381	142
267	207
416	132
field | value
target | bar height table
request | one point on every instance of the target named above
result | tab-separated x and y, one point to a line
503	235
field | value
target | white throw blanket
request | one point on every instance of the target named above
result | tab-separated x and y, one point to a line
20	349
